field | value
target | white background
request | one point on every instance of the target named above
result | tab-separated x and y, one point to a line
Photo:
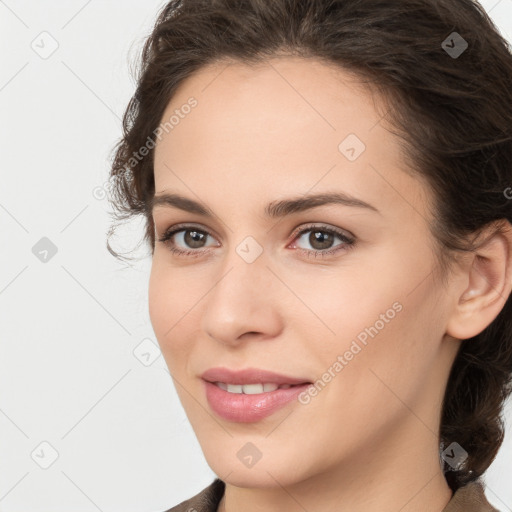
68	329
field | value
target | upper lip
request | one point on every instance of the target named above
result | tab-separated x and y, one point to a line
249	376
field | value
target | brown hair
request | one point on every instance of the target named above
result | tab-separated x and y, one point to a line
453	114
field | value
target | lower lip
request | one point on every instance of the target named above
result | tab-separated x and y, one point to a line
249	408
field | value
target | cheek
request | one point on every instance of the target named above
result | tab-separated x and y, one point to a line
388	352
167	310
365	384
382	323
157	300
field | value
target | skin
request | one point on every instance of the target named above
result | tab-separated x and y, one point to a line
368	441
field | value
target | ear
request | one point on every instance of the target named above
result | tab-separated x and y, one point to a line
488	283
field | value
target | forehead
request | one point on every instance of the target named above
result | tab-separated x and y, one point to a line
287	124
280	96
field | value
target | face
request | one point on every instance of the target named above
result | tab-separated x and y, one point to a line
340	295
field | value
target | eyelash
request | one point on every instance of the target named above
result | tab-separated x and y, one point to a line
348	243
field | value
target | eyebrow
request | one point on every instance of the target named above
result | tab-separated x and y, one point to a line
274	209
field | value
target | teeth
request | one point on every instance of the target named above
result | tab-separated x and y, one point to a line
250	389
234	388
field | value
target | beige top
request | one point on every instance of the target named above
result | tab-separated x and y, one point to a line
470	498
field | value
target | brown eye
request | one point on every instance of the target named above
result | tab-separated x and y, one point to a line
322	239
194	238
185	240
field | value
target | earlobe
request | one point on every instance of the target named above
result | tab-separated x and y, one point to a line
488	286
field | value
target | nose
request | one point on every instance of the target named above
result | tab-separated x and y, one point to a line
243	302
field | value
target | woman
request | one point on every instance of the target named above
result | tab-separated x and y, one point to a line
326	191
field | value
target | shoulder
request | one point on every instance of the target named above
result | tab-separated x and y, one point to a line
205	501
470	498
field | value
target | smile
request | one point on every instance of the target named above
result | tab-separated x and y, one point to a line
251	389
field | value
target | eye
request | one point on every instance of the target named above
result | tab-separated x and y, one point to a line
321	239
188	235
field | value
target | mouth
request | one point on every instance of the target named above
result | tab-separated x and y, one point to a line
249	403
250	380
251	394
256	388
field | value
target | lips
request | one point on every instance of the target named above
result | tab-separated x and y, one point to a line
237	395
250	408
250	376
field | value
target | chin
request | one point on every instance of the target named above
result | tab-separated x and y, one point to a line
250	478
274	472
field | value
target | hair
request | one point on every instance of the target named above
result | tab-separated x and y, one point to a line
452	115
